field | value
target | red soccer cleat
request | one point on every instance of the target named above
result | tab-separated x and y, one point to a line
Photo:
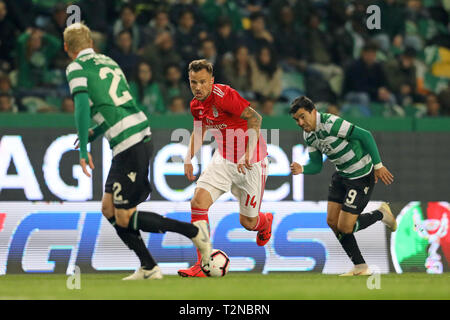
263	236
194	271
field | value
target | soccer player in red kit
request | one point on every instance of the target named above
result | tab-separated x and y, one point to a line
239	164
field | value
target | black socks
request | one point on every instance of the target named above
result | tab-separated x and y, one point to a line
350	246
367	219
348	240
153	222
133	240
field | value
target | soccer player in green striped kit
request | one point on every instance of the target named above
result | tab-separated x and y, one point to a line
358	167
101	92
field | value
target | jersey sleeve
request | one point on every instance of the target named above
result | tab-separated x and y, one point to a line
338	127
234	103
76	77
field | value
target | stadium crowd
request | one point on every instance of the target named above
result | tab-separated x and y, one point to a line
270	51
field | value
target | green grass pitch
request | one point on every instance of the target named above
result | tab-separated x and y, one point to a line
234	286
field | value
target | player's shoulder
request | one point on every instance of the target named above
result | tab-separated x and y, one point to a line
328	118
74	66
221	90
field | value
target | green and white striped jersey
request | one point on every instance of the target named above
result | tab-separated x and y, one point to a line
112	106
330	138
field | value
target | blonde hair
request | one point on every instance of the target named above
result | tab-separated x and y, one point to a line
198	65
77	36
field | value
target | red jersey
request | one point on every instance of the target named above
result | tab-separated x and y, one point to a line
221	112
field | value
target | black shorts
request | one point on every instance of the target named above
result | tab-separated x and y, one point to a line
128	177
352	194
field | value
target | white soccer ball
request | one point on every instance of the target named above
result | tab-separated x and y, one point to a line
218	266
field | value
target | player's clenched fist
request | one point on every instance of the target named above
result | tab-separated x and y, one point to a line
189	171
296	168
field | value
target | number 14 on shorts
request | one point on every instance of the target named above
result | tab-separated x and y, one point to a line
252	201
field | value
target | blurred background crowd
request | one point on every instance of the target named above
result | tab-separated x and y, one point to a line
270	51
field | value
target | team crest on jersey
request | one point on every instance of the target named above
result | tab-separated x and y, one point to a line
215	112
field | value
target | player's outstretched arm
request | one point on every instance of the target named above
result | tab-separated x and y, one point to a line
368	142
314	165
254	121
82	121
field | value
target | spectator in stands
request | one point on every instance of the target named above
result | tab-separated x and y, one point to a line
188	36
7	39
213	10
365	81
146	91
160	54
124	54
401	77
127	21
289	40
67	105
56	28
159	24
258	35
393	24
266	74
333	109
177	105
237	72
225	38
5	84
267	105
416	20
444	101
181	6
35	51
208	51
97	14
433	106
174	86
319	54
7	103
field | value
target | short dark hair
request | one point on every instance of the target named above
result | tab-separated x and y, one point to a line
370	46
198	65
301	102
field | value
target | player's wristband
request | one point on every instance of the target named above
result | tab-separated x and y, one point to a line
378	166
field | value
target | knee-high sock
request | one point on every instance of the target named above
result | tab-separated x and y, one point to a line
133	240
367	219
156	223
350	246
197	215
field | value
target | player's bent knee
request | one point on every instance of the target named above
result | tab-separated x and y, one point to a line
107	210
201	199
122	218
344	228
332	223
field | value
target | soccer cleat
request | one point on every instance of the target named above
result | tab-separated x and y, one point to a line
142	274
194	271
263	236
358	270
388	218
202	241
